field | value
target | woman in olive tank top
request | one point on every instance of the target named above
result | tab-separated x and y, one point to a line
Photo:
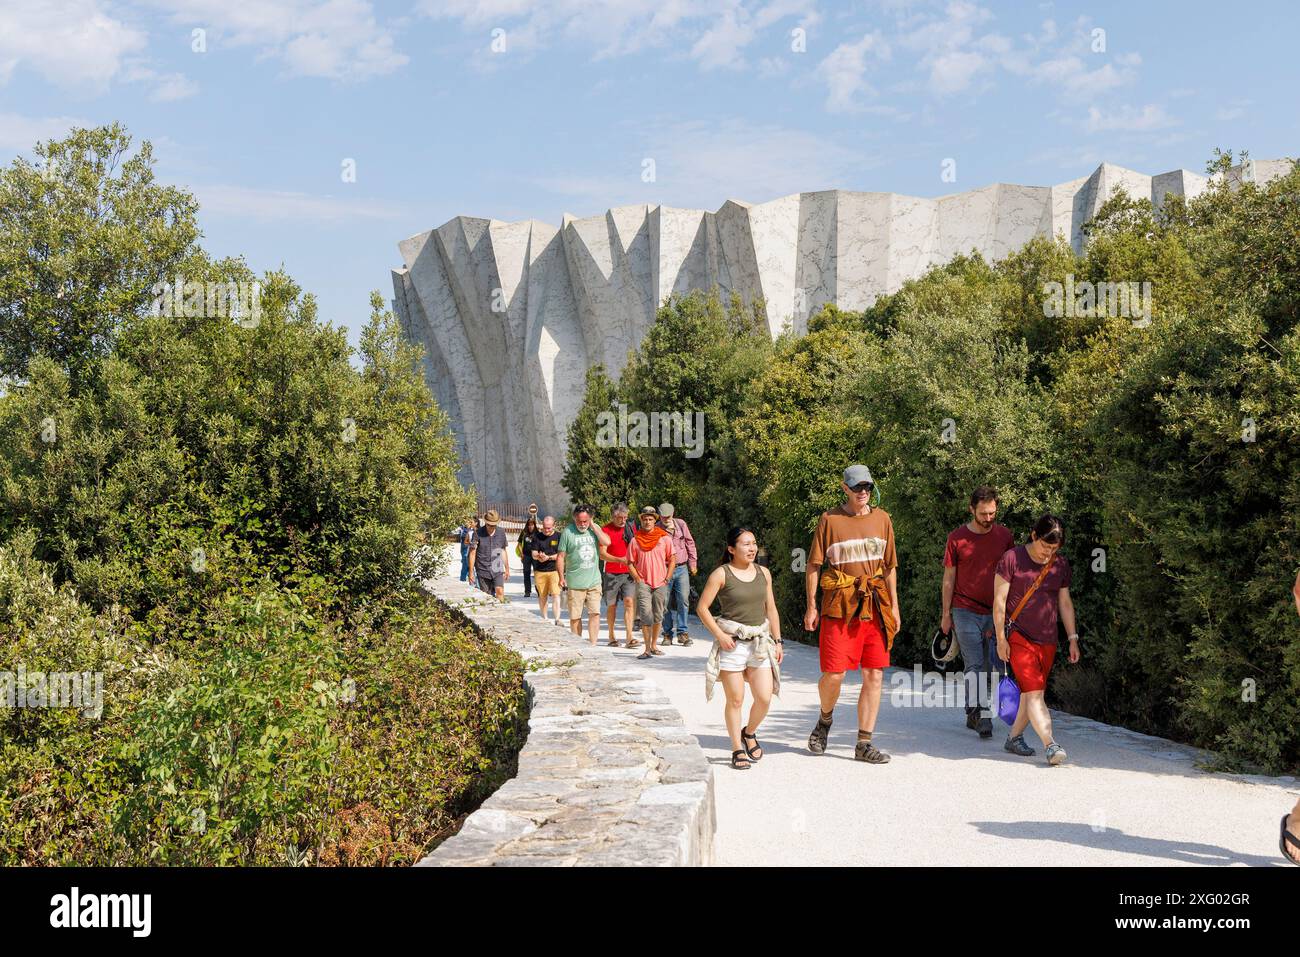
743	590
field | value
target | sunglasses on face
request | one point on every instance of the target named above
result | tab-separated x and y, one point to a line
863	487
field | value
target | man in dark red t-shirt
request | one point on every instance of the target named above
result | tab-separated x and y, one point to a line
617	580
968	561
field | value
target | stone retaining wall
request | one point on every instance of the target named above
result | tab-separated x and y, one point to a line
609	775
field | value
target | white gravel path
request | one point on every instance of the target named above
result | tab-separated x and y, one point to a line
948	797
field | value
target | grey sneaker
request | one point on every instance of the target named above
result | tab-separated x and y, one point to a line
1055	754
1018	746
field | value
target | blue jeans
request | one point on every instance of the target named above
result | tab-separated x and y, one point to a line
464	565
979	653
679	600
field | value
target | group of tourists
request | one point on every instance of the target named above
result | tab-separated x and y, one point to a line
1002	604
1002	607
642	565
851	601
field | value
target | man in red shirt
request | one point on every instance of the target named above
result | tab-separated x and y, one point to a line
969	560
617	580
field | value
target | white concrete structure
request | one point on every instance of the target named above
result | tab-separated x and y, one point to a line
512	315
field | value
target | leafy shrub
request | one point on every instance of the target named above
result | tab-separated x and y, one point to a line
280	737
225	519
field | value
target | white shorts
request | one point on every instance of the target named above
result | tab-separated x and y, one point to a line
744	655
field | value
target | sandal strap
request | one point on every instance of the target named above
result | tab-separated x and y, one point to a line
1290	838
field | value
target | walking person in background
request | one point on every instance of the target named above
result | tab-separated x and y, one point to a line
489	563
1034	580
523	550
746	641
579	566
629	529
544	546
679	588
465	538
650	562
859	613
1289	841
617	584
969	558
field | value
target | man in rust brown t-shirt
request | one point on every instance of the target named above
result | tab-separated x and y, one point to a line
852	559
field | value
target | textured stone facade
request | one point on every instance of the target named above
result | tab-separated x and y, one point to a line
609	774
512	315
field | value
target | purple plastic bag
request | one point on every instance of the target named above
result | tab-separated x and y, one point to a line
1008	698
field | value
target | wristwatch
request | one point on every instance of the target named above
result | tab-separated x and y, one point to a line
1073	637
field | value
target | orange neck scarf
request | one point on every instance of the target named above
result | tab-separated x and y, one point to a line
648	540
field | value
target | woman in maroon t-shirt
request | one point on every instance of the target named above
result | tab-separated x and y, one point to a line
1031	644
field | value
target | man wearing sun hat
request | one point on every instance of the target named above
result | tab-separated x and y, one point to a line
852	560
488	559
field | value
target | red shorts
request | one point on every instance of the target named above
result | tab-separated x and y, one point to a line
848	644
1031	662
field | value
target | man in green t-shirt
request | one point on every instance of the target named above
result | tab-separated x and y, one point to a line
579	567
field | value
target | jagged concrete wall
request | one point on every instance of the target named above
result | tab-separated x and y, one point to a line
512	315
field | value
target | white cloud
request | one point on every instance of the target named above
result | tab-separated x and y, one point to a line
173	86
844	71
1129	119
332	39
75	44
167	87
701	165
18	134
948	46
268	205
714	33
953	72
1070	74
1235	110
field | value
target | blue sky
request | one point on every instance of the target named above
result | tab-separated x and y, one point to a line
728	98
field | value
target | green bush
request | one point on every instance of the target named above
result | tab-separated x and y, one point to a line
225	519
283	736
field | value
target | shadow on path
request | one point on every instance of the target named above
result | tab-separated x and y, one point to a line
1110	839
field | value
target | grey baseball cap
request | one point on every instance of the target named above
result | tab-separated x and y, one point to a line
855	475
666	510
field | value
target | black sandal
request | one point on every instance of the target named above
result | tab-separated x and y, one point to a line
1286	838
817	740
739	756
745	738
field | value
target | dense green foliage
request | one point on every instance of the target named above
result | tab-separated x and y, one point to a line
219	511
1171	448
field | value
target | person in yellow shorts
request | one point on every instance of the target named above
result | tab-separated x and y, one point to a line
543	546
